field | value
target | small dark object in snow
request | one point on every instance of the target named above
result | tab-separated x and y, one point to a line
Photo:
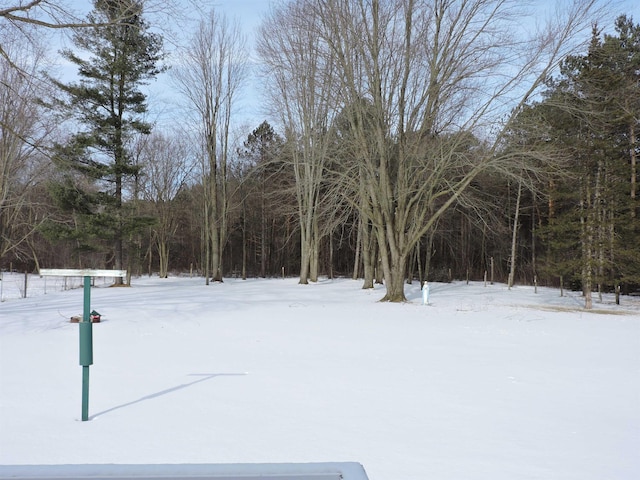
93	316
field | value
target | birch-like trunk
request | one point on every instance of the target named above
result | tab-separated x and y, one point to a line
514	238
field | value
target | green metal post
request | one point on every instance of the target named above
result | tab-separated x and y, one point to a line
86	347
86	325
85	393
87	300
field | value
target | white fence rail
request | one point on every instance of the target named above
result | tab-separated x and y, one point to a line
14	285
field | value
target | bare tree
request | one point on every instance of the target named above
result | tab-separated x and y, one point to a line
302	92
212	70
435	76
23	131
167	166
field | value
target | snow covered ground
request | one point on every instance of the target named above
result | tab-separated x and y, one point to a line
485	383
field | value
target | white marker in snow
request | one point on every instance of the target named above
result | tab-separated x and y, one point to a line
425	294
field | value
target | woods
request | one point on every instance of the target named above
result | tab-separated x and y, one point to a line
403	140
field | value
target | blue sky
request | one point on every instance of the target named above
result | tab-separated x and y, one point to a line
250	12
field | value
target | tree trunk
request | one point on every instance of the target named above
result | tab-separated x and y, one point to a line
514	237
394	265
263	233
244	239
634	169
214	228
356	260
394	281
305	256
206	235
331	256
428	253
534	268
163	258
368	254
587	221
314	263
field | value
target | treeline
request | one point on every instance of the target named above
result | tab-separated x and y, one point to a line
408	140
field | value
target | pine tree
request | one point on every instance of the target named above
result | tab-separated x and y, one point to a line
260	150
591	111
108	108
620	56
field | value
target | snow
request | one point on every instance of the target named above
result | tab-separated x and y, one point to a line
484	383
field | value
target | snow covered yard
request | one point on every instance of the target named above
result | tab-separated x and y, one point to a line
485	383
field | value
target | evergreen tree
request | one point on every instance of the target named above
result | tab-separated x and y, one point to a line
108	107
591	111
620	56
261	151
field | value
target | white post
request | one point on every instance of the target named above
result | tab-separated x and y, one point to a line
425	294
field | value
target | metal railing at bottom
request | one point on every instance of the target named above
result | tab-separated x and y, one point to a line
238	471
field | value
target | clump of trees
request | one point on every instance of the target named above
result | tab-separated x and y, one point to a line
410	140
25	129
209	77
590	113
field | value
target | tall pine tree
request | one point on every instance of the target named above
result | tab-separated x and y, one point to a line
108	108
591	110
